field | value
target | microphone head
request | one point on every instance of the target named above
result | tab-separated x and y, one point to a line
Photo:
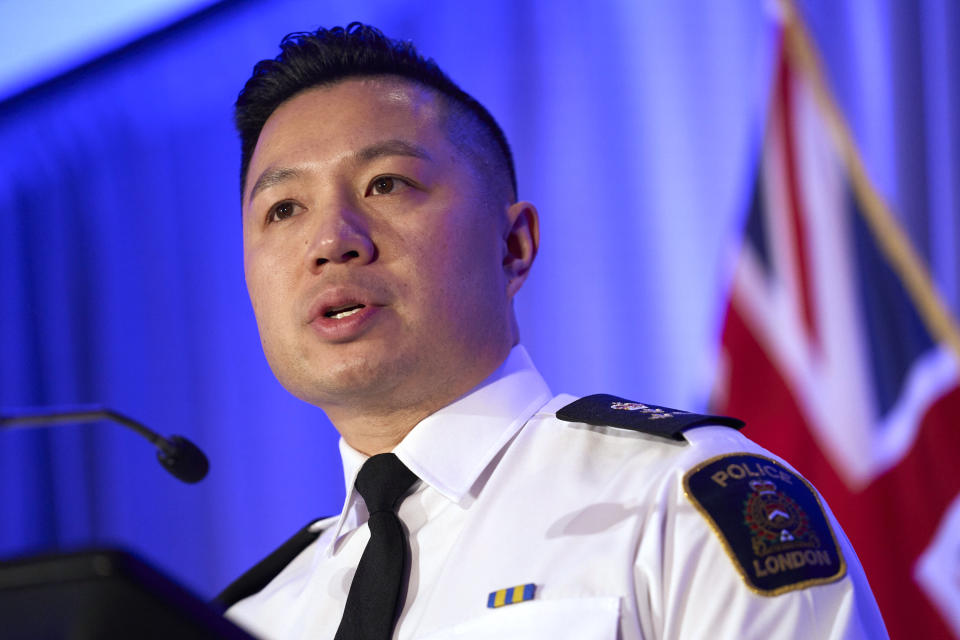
184	460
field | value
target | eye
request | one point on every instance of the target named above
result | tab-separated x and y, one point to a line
384	185
282	211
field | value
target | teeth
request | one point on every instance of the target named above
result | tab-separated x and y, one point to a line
343	313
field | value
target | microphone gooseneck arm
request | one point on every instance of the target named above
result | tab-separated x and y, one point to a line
178	455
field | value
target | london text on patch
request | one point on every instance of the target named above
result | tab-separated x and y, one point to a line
769	519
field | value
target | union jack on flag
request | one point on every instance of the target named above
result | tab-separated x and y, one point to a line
840	356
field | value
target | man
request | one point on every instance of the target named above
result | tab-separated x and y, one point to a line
383	247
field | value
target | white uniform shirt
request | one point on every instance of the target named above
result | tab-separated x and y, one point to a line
595	517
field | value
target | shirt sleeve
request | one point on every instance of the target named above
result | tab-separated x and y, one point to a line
688	585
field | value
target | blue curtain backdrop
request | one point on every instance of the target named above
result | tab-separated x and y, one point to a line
635	128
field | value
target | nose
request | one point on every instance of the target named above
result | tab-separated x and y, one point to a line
341	237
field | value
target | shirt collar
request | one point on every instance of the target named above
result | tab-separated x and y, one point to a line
449	449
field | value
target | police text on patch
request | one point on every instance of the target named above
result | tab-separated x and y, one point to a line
741	470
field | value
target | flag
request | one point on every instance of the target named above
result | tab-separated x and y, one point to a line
841	357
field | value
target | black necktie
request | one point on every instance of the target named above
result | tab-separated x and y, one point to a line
372	602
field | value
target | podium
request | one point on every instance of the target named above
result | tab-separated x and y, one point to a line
101	595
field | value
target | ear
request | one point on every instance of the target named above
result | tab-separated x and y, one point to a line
520	244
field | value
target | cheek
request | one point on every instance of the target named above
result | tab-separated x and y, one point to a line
260	274
465	266
251	274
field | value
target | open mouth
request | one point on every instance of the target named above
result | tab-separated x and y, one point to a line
344	311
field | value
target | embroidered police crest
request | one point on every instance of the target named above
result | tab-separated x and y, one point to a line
769	519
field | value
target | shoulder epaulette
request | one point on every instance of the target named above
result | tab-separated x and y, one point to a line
611	411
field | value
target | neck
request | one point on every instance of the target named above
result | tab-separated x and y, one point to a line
376	428
371	433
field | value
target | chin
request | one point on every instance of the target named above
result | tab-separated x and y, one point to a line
343	380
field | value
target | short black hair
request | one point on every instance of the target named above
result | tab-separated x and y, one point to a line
326	56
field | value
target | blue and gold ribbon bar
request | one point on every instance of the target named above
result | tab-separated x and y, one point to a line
520	593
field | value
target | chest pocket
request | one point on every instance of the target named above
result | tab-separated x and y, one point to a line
574	618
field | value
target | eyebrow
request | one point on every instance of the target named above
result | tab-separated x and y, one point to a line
272	177
393	147
396	147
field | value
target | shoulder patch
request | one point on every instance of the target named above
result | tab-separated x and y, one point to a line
770	521
611	411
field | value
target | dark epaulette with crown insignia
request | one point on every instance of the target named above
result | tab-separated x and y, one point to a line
611	411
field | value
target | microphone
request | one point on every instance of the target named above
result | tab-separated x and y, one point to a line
178	455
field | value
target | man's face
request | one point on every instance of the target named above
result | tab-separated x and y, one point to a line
374	255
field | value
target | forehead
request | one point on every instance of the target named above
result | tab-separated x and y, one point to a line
347	115
389	97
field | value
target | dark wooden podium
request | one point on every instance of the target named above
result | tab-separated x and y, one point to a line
101	595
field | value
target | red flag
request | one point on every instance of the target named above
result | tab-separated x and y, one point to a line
841	357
